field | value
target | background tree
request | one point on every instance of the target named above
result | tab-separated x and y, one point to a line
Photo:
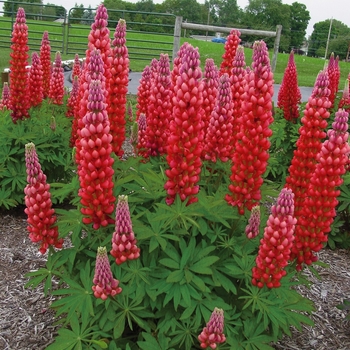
76	13
229	12
299	20
338	39
266	15
88	16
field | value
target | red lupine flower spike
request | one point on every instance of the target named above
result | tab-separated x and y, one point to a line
36	81
334	76
95	170
232	42
118	87
237	86
104	283
159	108
252	142
72	103
276	244
41	217
45	59
5	97
344	102
289	96
177	63
218	141
252	229
76	67
56	92
123	240
19	98
185	142
312	131
321	197
210	91
213	333
141	136
143	92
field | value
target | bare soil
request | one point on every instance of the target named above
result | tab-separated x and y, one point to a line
27	322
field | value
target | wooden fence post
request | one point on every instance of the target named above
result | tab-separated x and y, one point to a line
177	36
276	47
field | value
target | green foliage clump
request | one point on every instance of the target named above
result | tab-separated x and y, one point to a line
52	148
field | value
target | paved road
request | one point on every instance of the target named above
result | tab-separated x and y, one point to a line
136	76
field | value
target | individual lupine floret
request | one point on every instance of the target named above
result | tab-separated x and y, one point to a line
213	333
311	133
185	143
95	162
210	91
321	197
104	283
19	98
159	109
5	97
141	147
289	96
275	246
123	241
72	103
45	59
143	92
218	139
252	142
41	216
252	229
231	45
118	86
56	93
36	81
334	76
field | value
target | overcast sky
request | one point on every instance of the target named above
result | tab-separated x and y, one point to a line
320	10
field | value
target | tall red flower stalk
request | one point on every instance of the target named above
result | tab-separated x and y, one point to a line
72	102
210	91
123	240
213	333
76	67
98	39
19	98
218	139
252	229
41	216
289	96
141	147
237	87
36	90
104	283
5	97
252	143
345	99
143	92
275	246
321	197
334	76
185	142
95	170
177	62
45	59
118	85
231	45
159	109
311	133
56	92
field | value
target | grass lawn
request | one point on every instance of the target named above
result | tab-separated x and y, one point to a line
139	46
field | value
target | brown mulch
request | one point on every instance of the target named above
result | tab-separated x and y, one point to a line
26	320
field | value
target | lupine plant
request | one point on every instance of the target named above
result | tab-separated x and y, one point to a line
197	258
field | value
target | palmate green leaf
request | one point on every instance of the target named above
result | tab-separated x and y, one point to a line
202	266
149	343
169	263
5	198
